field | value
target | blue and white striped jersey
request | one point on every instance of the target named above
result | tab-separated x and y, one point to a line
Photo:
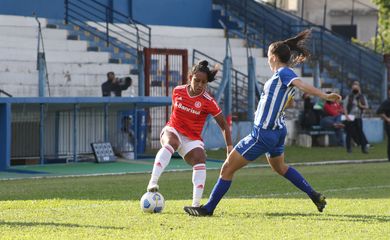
277	92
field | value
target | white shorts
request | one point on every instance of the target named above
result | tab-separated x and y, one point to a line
186	144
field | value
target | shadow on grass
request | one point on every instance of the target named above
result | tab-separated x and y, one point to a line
54	224
331	217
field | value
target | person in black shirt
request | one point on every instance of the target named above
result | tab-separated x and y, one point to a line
384	113
114	86
109	87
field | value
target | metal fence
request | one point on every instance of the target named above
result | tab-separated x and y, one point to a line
112	26
164	70
239	86
51	130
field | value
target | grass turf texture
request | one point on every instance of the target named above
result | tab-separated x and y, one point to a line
259	205
295	154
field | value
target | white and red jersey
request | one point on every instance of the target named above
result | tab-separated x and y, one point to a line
189	113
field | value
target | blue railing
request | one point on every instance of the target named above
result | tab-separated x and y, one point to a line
239	85
341	58
53	129
113	27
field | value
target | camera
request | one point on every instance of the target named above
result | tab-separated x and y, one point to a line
124	82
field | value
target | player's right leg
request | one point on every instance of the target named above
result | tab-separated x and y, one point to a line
248	149
234	162
169	142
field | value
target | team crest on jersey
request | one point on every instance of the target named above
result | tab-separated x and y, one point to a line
198	104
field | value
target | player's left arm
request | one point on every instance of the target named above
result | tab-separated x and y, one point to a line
225	131
307	88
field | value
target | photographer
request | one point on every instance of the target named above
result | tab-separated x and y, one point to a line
114	86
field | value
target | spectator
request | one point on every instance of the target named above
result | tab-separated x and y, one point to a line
384	112
332	119
354	105
310	117
114	86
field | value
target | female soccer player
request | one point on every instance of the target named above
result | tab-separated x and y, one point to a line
190	106
269	129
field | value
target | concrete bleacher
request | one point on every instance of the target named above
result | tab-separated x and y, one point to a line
211	42
72	70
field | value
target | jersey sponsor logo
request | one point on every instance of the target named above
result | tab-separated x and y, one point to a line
198	104
187	109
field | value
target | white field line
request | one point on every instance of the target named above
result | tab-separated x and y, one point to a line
349	189
335	162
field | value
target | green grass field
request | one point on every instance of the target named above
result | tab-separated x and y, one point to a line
299	154
259	205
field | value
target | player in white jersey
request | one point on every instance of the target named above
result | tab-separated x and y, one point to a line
269	131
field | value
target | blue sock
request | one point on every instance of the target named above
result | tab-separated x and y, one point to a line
298	180
220	188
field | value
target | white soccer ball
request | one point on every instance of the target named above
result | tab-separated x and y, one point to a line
152	202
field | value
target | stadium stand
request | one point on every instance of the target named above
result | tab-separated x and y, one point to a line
341	61
73	70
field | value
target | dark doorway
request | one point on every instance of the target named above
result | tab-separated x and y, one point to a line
347	31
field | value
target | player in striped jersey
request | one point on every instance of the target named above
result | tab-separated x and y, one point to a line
191	105
269	129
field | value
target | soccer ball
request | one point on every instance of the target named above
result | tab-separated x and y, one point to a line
152	202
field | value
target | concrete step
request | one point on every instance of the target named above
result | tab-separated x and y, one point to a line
15	54
31	32
54	79
11	41
220	52
11	82
31	90
21	21
194	42
86	68
126	34
186	31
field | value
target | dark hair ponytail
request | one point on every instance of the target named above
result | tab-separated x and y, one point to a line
292	51
202	66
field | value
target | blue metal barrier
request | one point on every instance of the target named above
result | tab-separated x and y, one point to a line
75	121
239	86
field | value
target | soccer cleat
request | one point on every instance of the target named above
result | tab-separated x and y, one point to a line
197	211
319	200
152	188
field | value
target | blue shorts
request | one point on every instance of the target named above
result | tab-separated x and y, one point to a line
261	141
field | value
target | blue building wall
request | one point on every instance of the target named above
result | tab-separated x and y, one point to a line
188	13
43	8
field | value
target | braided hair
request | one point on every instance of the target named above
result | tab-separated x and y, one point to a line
202	66
292	51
